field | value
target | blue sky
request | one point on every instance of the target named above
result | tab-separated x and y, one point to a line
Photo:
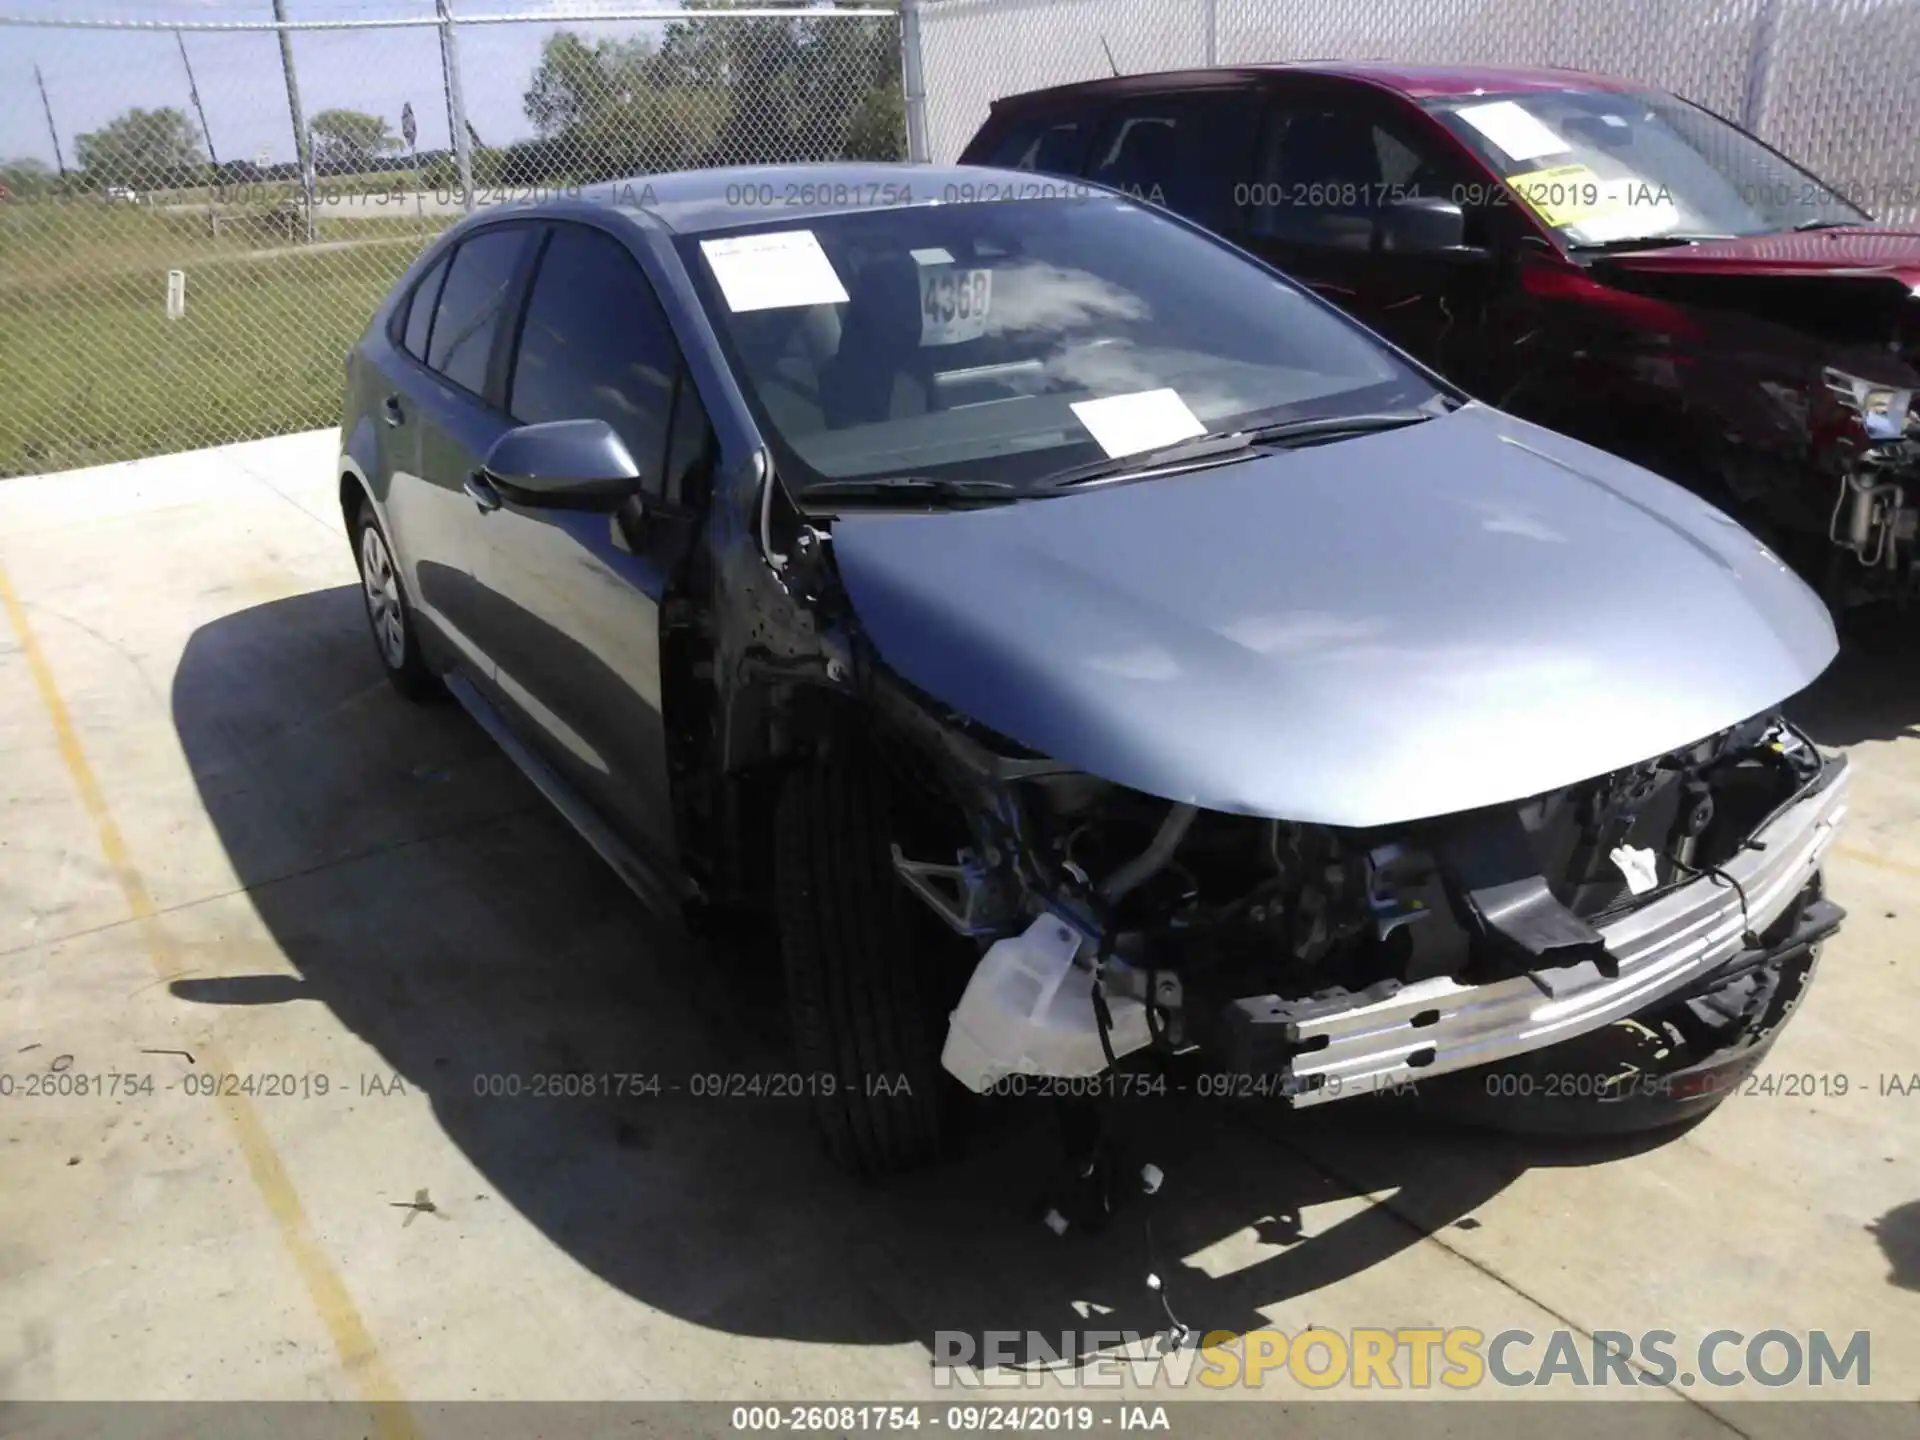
93	76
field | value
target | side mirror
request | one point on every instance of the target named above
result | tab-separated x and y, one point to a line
566	464
1426	225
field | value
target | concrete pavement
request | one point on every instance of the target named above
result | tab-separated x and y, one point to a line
228	849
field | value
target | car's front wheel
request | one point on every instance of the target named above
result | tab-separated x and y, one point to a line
864	977
389	615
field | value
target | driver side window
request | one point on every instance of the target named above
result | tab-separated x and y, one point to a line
1327	168
595	345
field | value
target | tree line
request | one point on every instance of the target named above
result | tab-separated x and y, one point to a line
708	91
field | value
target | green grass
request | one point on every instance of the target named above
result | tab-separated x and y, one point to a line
93	371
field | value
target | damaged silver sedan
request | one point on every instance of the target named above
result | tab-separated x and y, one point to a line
1095	655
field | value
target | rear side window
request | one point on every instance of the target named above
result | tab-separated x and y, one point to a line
471	303
1049	145
420	309
1190	153
596	346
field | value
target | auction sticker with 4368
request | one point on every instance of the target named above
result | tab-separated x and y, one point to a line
954	302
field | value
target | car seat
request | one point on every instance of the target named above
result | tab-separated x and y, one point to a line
880	372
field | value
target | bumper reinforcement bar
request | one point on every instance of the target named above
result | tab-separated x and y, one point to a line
1345	1046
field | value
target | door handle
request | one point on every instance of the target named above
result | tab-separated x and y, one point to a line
395	414
480	490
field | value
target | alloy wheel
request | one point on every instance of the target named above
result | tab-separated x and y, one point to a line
382	585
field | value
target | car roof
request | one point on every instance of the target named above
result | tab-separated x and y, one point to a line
1417	82
693	202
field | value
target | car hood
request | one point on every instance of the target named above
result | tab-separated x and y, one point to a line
1888	251
1413	623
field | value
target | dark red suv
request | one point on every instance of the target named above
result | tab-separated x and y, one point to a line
1607	259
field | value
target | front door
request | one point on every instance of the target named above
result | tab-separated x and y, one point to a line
574	596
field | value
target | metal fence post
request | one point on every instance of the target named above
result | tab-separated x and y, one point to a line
913	82
456	102
302	151
1759	64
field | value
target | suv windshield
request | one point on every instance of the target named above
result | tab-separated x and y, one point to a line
1010	341
1604	167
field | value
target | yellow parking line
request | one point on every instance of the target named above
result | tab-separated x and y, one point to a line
358	1353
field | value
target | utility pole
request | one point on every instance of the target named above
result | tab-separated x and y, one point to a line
913	82
193	92
457	126
300	146
47	105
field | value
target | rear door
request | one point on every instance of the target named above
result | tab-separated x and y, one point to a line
575	596
453	425
388	385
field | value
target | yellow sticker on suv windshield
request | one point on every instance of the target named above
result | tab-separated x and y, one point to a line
1567	194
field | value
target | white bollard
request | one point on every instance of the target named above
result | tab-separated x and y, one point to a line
176	294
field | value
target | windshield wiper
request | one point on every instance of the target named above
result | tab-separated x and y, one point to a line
1236	444
1641	242
890	487
1826	225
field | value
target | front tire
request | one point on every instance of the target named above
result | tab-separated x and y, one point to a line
863	984
389	613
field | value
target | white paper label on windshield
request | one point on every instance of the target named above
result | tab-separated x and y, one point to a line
773	272
953	303
1516	131
1145	420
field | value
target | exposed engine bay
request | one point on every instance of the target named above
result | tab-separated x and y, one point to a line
1341	960
1840	409
1876	507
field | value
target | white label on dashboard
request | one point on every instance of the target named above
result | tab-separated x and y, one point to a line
953	302
1517	132
774	271
1144	420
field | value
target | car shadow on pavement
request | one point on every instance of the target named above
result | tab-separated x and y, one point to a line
449	919
1871	691
1898	1232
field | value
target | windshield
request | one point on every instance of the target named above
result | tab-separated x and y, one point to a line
1604	168
1003	342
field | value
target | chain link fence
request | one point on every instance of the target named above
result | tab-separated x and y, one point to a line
197	217
182	263
1835	84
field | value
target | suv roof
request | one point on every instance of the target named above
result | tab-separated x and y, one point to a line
1419	82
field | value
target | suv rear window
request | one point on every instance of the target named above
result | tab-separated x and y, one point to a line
1048	144
1190	153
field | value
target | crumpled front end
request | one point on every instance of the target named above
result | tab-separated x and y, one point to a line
1328	963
